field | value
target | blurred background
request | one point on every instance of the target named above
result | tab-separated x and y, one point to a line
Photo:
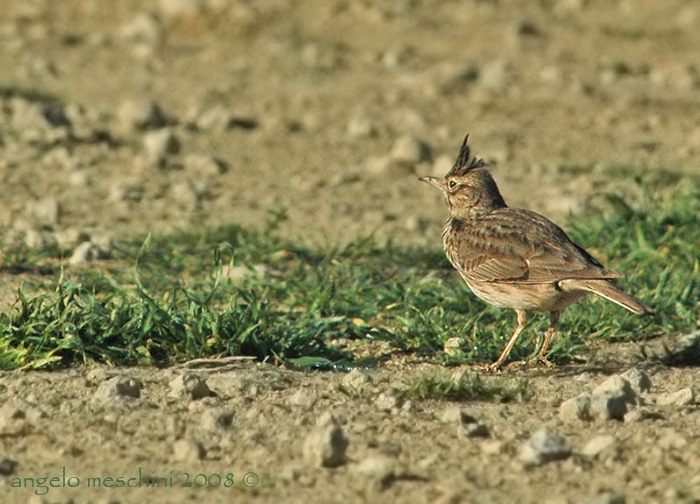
120	117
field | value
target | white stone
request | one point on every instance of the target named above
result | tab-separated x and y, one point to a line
639	381
326	445
160	144
576	408
679	398
603	446
408	149
545	445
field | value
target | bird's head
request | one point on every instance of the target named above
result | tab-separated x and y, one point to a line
468	187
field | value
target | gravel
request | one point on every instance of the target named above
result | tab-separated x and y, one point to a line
611	399
423	450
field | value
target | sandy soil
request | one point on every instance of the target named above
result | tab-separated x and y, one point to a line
117	118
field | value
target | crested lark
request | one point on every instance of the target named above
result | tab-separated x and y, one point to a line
515	258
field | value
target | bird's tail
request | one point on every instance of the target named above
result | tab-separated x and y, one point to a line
609	291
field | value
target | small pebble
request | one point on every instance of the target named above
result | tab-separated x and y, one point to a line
605	498
44	212
604	447
304	398
144	28
616	386
189	385
494	75
378	468
239	273
473	430
608	406
160	144
356	379
185	450
545	445
217	419
120	388
456	414
377	166
135	114
203	165
361	127
216	117
576	408
12	419
681	397
639	381
408	149
388	401
86	252
7	466
467	425
127	190
492	447
453	346
326	445
672	440
640	414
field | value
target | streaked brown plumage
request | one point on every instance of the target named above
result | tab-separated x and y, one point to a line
515	258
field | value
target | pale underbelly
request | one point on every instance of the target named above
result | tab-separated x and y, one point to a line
525	296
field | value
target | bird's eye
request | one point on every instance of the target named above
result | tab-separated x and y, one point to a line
452	184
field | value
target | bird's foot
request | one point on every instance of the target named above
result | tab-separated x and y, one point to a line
498	367
537	361
494	367
541	360
519	364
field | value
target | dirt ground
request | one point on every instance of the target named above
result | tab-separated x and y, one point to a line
120	117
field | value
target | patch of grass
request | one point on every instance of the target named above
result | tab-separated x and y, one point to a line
228	290
443	385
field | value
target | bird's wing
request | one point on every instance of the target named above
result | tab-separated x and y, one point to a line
509	245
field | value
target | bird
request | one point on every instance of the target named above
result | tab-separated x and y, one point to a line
515	258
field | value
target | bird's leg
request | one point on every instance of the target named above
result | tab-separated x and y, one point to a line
542	354
522	322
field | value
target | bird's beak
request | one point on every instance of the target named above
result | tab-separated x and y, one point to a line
437	182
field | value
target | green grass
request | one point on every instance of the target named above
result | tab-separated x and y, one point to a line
167	298
464	386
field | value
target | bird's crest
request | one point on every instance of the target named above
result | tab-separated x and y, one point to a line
465	162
